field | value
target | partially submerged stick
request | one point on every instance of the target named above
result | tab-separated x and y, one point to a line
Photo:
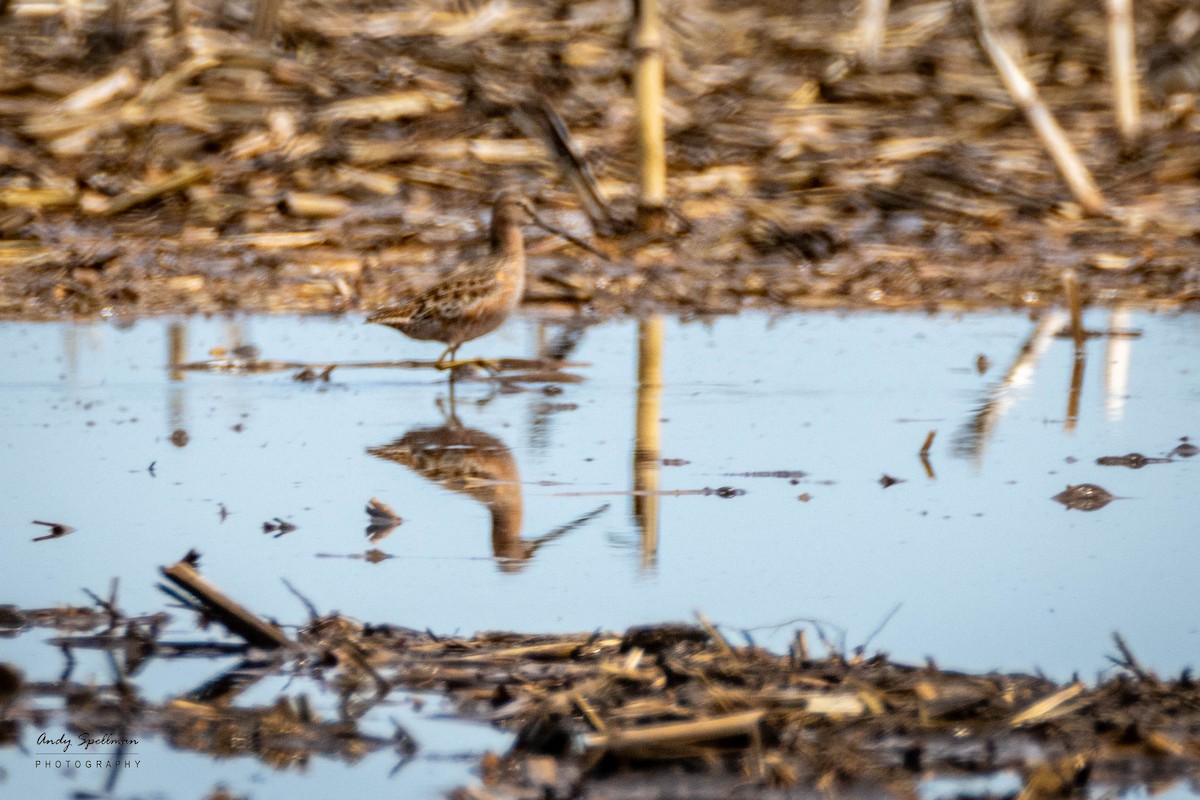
1070	282
647	442
1026	97
235	617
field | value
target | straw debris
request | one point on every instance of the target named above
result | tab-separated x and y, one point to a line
814	158
592	712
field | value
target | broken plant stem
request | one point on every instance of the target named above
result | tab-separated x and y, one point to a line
557	231
871	28
1026	97
648	91
1122	63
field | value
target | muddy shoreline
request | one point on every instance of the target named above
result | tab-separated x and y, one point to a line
641	713
155	165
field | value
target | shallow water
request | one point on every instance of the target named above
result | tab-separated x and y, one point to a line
969	560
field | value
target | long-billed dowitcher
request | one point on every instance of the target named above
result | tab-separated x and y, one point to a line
474	299
476	464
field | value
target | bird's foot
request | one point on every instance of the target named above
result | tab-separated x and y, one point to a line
490	365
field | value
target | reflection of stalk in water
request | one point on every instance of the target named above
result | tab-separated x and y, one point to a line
176	357
1076	388
558	349
1116	364
647	438
76	339
234	336
1074	299
1000	396
71	351
176	349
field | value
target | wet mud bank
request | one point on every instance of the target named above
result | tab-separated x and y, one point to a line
650	712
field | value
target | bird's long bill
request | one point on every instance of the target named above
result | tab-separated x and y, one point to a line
557	231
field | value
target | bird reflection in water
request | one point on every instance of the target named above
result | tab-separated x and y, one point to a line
477	464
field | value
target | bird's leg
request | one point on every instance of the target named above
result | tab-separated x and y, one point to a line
450	413
491	365
446	359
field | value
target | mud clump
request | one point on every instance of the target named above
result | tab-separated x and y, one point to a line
1084	497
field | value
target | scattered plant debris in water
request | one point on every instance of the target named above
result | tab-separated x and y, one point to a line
1131	460
57	530
1185	449
778	473
1084	497
308	375
278	526
594	711
383	520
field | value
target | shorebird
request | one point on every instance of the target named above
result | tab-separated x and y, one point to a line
474	299
478	465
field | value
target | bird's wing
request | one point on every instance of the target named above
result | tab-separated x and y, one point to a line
453	297
459	295
395	315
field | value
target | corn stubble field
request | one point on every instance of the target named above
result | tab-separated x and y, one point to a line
321	156
295	155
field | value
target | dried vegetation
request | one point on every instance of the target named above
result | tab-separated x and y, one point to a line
659	711
311	155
